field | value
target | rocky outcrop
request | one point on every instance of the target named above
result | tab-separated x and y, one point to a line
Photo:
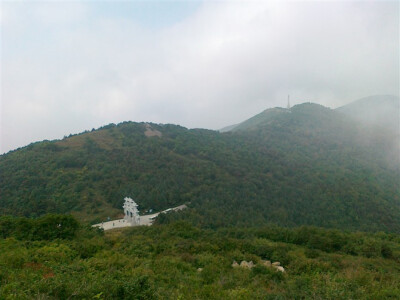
248	265
280	268
151	132
266	263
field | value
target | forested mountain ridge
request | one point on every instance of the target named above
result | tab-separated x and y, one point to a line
311	166
381	111
373	121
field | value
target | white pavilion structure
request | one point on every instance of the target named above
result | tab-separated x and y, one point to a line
131	212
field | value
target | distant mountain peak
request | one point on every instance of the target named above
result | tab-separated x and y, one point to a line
271	115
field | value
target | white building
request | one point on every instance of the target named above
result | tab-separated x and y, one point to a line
131	212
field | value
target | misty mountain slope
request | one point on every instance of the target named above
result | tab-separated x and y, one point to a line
314	119
262	118
228	128
381	117
309	166
383	111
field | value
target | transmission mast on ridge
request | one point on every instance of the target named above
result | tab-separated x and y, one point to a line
288	102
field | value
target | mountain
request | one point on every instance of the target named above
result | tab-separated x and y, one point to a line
262	119
312	165
259	119
381	116
227	128
382	111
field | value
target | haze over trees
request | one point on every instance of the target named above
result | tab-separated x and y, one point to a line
309	165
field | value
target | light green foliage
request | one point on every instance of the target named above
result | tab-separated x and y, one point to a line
162	262
55	253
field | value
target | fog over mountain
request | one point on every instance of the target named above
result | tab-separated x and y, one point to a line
381	116
305	165
71	66
381	110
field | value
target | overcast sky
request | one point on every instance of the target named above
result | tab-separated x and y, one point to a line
72	66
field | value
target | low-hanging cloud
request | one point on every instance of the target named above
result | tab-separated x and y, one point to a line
66	68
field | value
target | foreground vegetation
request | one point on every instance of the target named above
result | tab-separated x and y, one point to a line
56	258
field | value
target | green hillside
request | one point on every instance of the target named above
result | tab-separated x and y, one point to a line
312	166
264	118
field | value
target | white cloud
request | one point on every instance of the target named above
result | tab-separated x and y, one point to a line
66	69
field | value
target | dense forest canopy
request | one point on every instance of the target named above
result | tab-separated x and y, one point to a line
309	165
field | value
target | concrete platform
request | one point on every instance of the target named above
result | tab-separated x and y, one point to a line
145	220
